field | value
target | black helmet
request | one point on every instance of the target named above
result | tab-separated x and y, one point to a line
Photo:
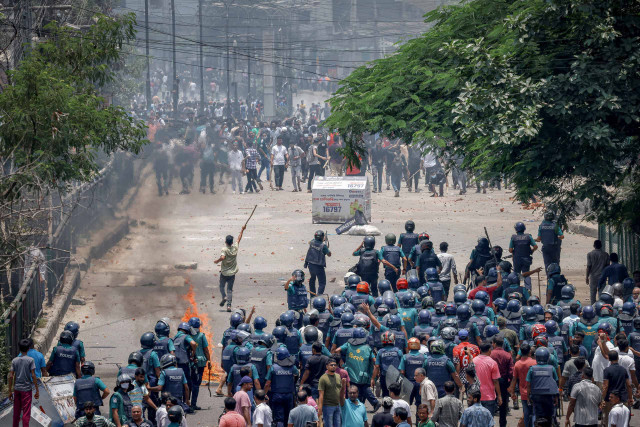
310	334
553	268
148	340
369	242
135	358
409	226
168	360
505	266
126	378
483	242
390	239
319	235
88	368
549	216
175	414
520	227
298	276
72	327
353	281
66	337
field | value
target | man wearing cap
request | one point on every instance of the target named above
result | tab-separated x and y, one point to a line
243	403
91	419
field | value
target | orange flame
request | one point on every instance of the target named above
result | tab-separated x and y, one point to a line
213	375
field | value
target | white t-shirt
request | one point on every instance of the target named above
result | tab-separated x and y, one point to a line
262	415
428	390
400	404
279	152
235	160
619	416
626	361
600	363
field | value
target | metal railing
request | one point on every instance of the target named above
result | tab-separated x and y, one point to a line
74	214
625	243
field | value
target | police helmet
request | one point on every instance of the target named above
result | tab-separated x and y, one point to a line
243	355
318	303
567	292
406	300
306	319
319	235
460	297
362	287
490	331
427	301
409	226
549	216
168	360
519	227
346	277
402	283
540	341
605	327
529	314
483	242
478	306
459	288
390	239
538	330
463	312
533	300
148	340
451	322
413	280
66	337
628	283
88	368
513	279
394	322
162	328
449	333
439	307
244	327
514	295
588	313
437	347
413	343
426	245
383	286
497	251
280	333
369	242
483	296
636	323
618	289
423	292
423	236
383	310
390	302
493	274
361	321
542	355
597	307
629	308
359	333
539	310
377	302
513	306
282	353
505	266
349	308
235	320
267	339
126	378
432	273
353	281
195	322
298	276
606	298
500	303
347	319
260	323
286	319
388	338
424	317
175	414
339	302
310	334
135	358
184	326
551	326
72	327
450	309
553	268
463	335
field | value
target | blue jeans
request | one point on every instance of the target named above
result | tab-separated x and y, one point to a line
491	405
264	164
331	416
365	393
527	413
396	180
543	406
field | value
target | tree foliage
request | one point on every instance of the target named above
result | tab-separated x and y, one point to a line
543	92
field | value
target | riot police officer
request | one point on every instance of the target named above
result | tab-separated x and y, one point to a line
74	328
88	389
151	366
555	283
64	358
412	361
262	357
359	364
479	257
316	261
120	403
164	344
297	298
362	295
427	259
185	351
173	380
345	333
437	290
203	359
522	246
440	368
550	234
324	316
388	355
394	260
281	381
243	359
369	263
542	385
409	239
134	362
292	336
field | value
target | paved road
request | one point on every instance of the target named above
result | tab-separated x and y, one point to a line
136	283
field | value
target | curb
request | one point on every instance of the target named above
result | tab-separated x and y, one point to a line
44	336
585	230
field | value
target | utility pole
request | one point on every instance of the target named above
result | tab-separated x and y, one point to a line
226	30
202	100
146	48
249	51
176	87
268	73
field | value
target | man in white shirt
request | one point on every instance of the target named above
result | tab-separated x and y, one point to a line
448	270
428	390
619	414
262	416
394	392
600	362
279	158
236	164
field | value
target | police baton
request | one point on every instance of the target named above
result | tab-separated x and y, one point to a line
539	289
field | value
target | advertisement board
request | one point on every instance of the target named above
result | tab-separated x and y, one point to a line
336	199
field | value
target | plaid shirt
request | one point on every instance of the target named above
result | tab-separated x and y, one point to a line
477	416
252	157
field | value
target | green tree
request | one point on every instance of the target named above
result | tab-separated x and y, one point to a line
543	92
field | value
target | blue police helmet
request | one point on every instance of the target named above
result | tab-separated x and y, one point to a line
383	310
72	327
243	355
628	283
337	312
384	285
459	287
629	308
483	296
528	313
551	326
513	279
282	353
267	339
353	281
553	268
286	319
588	313
500	303
490	331
431	273
413	282
463	312
449	333
390	302
148	340
422	292
347	319
493	272
260	323
513	306
184	327
460	297
195	322
394	322
319	304
359	333
567	292
244	327
235	320
539	310
450	309
520	227
542	355
463	334
280	333
339	301
162	328
332	300
406	300
424	317
478	306
377	302
605	327
606	298
439	307
348	307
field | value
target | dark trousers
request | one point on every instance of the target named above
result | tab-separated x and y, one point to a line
226	282
396	180
383	384
317	271
365	393
504	393
521	265
550	254
162	180
377	171
415	395
278	171
392	277
195	391
313	171
446	284
207	170
373	284
264	164
252	177
187	374
414	177
281	405
543	406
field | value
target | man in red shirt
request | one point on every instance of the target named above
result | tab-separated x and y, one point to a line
520	377
488	373
481	285
231	418
464	352
505	366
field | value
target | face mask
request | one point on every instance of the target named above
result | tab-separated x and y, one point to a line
125	386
